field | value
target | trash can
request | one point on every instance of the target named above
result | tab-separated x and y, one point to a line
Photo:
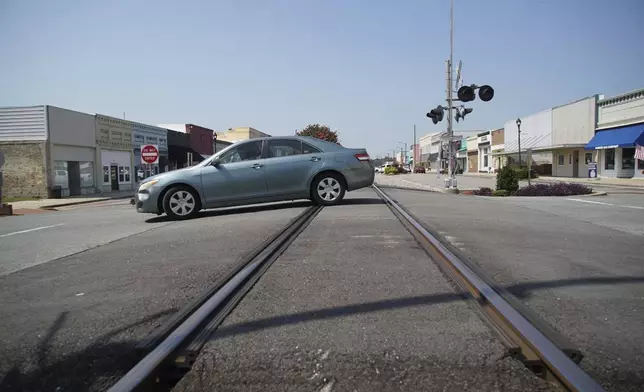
57	192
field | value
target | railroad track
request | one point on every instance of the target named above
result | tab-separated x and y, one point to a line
170	351
528	338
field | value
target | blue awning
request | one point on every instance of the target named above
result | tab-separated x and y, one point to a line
623	137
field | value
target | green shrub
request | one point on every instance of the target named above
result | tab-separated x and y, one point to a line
507	180
500	192
391	170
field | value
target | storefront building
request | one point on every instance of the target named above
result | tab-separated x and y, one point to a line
115	153
620	128
234	135
497	147
484	143
148	134
49	152
424	143
536	135
472	154
200	138
73	151
573	125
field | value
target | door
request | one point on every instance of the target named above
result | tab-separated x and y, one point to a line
290	165
114	177
73	169
238	177
575	163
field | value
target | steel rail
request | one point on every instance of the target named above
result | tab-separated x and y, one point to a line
506	317
147	369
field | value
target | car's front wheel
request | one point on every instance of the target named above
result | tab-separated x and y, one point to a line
181	203
328	189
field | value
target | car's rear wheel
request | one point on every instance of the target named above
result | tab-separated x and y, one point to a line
328	189
181	202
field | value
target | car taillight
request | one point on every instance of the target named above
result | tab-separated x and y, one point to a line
362	157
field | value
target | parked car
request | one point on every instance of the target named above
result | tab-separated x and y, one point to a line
259	170
419	169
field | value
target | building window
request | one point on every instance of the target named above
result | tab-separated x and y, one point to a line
561	160
570	159
628	158
485	157
87	174
588	157
106	174
609	161
124	174
61	176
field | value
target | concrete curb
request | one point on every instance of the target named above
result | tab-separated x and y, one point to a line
83	202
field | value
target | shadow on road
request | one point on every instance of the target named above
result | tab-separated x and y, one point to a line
264	207
96	367
102	363
238	210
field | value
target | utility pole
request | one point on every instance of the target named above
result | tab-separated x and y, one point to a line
451	183
413	153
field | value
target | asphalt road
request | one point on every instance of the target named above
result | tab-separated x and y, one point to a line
70	323
578	262
355	305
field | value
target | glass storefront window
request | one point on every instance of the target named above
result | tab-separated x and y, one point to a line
628	158
106	174
61	174
609	159
87	174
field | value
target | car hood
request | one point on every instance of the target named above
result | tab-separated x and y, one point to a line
168	174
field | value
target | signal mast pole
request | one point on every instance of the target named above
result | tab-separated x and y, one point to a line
450	130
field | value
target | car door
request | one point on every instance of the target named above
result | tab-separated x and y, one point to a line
290	165
239	175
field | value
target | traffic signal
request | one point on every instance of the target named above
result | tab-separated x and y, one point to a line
436	114
462	112
486	93
466	93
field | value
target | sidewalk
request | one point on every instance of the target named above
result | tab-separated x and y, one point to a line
432	182
68	201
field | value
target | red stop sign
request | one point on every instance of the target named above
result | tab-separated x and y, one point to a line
149	154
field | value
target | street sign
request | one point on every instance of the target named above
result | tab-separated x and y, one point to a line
592	169
149	154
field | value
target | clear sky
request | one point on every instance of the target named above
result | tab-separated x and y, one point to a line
368	68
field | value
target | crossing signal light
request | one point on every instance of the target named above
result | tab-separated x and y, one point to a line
436	114
462	112
466	93
486	93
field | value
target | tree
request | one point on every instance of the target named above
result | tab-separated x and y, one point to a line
318	131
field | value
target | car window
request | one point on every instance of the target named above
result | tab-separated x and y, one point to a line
244	152
284	148
309	149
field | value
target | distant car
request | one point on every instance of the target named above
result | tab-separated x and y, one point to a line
419	169
259	171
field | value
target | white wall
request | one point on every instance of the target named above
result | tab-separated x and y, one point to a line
621	110
71	128
73	153
574	123
536	131
26	123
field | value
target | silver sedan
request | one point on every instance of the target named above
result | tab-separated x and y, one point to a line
258	171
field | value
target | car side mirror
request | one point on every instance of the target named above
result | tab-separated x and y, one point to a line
216	162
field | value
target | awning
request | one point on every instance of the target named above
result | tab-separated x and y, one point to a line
622	137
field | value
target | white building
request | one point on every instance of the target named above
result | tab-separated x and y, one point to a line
620	127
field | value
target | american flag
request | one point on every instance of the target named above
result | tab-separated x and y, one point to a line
639	152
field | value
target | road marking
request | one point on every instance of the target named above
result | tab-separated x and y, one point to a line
30	230
607	204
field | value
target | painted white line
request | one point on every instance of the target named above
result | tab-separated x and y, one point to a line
591	202
607	204
30	230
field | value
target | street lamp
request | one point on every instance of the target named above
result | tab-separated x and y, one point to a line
519	139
